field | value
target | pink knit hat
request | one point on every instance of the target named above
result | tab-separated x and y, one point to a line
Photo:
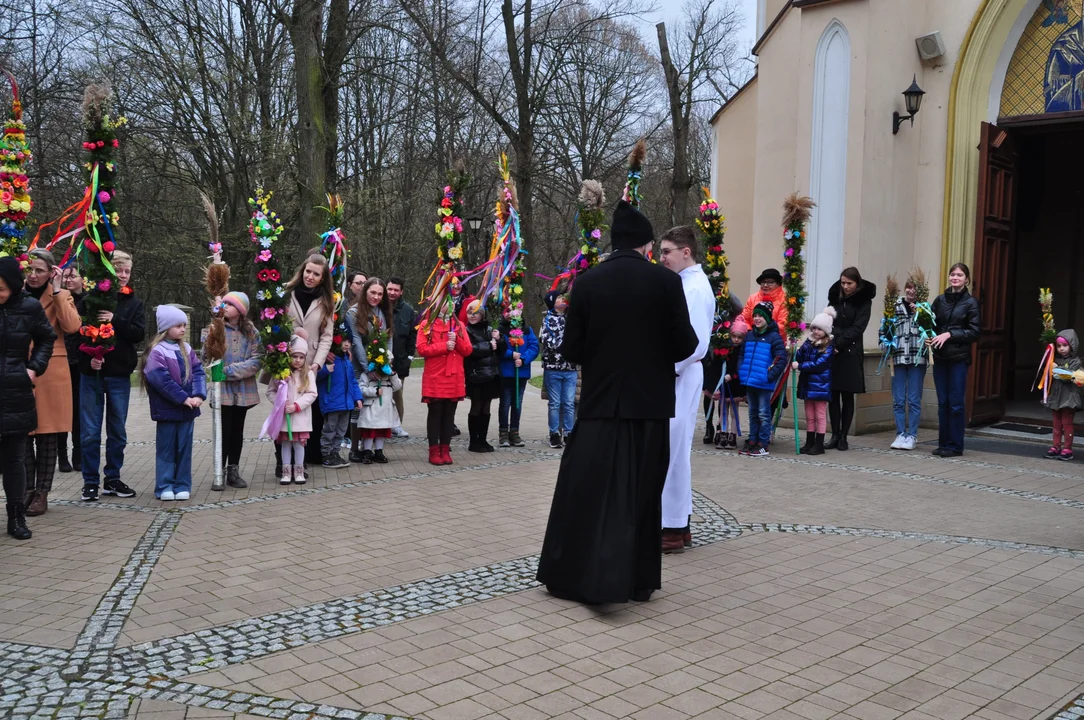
739	325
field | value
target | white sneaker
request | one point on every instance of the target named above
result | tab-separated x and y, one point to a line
897	444
182	495
166	495
909	442
399	432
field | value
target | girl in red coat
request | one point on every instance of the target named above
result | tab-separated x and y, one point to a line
443	342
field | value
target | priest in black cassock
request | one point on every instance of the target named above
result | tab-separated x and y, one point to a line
627	326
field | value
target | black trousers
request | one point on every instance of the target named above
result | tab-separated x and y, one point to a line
841	411
233	433
12	460
439	423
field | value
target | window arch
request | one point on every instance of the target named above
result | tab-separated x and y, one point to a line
828	162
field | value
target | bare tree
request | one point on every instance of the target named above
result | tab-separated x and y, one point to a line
703	66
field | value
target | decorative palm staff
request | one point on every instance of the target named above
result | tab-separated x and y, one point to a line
502	281
15	202
713	225
631	193
440	287
217	282
333	247
590	222
88	225
1045	375
886	334
796	212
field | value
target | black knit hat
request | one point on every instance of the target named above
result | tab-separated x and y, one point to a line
551	298
630	228
11	274
770	274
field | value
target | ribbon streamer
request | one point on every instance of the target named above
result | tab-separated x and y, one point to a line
272	426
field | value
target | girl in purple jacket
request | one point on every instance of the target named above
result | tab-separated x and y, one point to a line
173	380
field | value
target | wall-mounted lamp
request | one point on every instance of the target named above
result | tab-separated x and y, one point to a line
912	97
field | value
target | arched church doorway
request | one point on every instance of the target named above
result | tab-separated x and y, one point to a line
1029	230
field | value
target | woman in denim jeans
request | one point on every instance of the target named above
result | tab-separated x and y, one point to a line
909	359
558	375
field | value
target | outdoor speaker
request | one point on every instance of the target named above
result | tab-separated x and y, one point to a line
930	47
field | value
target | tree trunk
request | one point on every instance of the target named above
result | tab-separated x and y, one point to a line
680	183
312	130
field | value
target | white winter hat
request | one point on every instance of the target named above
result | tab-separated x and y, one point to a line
824	320
168	316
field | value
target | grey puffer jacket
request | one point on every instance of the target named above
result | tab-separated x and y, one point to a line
1064	394
26	343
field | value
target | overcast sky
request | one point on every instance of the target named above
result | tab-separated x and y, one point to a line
670	11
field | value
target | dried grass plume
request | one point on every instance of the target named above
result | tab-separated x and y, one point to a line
639	152
95	101
796	209
592	196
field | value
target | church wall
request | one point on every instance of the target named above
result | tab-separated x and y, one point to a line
734	173
780	93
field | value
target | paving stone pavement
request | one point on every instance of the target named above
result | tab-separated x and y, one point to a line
864	585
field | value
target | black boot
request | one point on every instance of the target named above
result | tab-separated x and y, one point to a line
233	477
472	428
62	453
804	450
833	443
818	445
709	434
842	444
17	522
483	431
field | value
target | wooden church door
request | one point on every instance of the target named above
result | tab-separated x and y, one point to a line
995	233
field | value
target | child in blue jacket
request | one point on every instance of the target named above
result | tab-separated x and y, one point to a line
515	363
176	386
763	360
339	393
814	361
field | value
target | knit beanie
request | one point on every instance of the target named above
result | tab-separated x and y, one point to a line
630	228
551	298
739	326
11	274
299	344
824	319
239	300
169	316
764	308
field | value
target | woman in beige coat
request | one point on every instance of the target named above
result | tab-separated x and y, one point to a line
312	307
53	390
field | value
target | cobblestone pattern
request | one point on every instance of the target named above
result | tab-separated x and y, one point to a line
1072	711
1009	492
97	680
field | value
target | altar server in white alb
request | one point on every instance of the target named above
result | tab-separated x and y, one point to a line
678	251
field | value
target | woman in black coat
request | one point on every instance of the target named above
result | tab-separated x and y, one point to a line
483	370
26	344
956	322
852	299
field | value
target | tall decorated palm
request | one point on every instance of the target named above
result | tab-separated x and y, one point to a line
712	223
333	247
15	202
440	288
217	282
590	224
87	229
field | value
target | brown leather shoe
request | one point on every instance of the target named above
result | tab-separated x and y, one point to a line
687	539
672	542
38	505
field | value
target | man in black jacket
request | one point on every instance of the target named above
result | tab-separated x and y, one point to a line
404	340
627	326
105	387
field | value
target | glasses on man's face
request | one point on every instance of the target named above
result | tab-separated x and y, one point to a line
666	251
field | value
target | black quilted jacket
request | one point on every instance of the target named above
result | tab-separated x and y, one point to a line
26	342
